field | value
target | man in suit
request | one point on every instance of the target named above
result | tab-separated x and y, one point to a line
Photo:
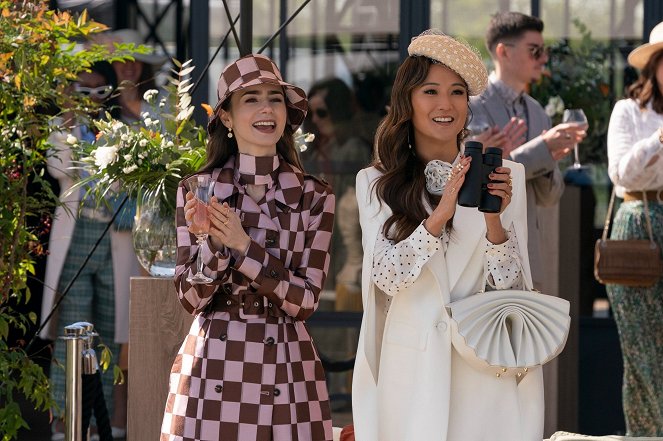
519	124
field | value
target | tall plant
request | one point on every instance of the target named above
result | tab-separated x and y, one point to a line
38	62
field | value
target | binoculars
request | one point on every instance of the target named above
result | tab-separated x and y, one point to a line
474	191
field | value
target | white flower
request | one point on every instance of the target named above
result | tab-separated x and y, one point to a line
127	158
309	138
129	169
145	115
555	106
104	156
143	142
117	125
148	121
150	94
124	137
71	139
170	144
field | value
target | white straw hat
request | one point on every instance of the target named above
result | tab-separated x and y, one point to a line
639	56
457	56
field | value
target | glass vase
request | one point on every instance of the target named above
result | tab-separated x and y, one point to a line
154	236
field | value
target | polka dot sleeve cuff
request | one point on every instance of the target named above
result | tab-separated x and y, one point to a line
397	265
503	263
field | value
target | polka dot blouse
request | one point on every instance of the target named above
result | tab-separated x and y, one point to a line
397	265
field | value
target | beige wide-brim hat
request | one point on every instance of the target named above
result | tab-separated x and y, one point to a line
639	56
457	56
133	36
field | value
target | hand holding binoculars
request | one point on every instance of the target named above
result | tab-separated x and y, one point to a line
474	191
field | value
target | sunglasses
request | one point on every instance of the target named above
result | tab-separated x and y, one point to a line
321	113
535	50
98	93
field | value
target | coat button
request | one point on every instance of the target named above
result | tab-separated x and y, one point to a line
223	337
274	274
218	388
256	304
441	326
269	242
277	392
229	302
269	341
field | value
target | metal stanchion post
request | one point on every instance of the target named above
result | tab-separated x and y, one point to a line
74	338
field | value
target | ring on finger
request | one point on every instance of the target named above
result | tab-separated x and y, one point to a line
567	136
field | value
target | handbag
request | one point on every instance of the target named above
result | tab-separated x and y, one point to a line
507	332
629	262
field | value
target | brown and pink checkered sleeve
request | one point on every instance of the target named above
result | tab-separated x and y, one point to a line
194	298
297	290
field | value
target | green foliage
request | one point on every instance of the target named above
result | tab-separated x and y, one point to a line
37	64
579	75
149	156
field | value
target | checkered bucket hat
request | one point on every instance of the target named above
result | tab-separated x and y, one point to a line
258	69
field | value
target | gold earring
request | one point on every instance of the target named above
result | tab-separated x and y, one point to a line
230	132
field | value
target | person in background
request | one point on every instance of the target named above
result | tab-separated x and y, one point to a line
248	369
100	294
135	77
423	251
336	155
519	124
635	166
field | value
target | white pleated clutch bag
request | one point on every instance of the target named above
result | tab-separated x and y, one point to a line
506	332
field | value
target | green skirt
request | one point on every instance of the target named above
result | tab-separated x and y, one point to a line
639	316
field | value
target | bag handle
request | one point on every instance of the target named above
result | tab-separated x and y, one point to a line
608	216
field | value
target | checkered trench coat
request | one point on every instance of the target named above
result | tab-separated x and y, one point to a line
246	377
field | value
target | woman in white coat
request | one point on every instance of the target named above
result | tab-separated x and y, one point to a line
422	251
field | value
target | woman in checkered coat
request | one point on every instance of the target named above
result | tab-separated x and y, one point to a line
248	370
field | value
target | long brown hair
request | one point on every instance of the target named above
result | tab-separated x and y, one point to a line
646	89
403	183
220	148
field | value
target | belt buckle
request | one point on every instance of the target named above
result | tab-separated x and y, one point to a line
252	307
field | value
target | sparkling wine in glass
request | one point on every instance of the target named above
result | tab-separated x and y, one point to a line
576	117
202	187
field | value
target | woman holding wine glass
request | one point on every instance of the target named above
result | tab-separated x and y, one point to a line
635	166
248	368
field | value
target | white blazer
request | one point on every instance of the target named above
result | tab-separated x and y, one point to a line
408	383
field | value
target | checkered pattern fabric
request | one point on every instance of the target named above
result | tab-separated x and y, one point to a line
240	376
252	70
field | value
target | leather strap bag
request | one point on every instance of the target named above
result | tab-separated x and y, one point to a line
630	262
506	332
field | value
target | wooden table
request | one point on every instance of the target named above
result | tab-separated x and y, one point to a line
158	325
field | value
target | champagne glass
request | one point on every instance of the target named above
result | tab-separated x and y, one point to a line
575	117
202	188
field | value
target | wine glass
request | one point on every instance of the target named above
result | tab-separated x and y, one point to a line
576	117
202	187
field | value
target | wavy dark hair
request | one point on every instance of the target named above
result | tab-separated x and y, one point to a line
220	148
403	183
646	89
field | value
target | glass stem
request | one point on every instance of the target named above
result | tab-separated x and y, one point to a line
575	153
199	258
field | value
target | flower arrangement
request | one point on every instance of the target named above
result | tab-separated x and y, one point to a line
149	157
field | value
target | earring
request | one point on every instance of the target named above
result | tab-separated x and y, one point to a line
230	132
409	145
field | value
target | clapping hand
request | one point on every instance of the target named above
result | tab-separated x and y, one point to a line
226	229
508	138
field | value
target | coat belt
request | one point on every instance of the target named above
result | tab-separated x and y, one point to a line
245	304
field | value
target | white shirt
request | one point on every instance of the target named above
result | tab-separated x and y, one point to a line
397	265
633	140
